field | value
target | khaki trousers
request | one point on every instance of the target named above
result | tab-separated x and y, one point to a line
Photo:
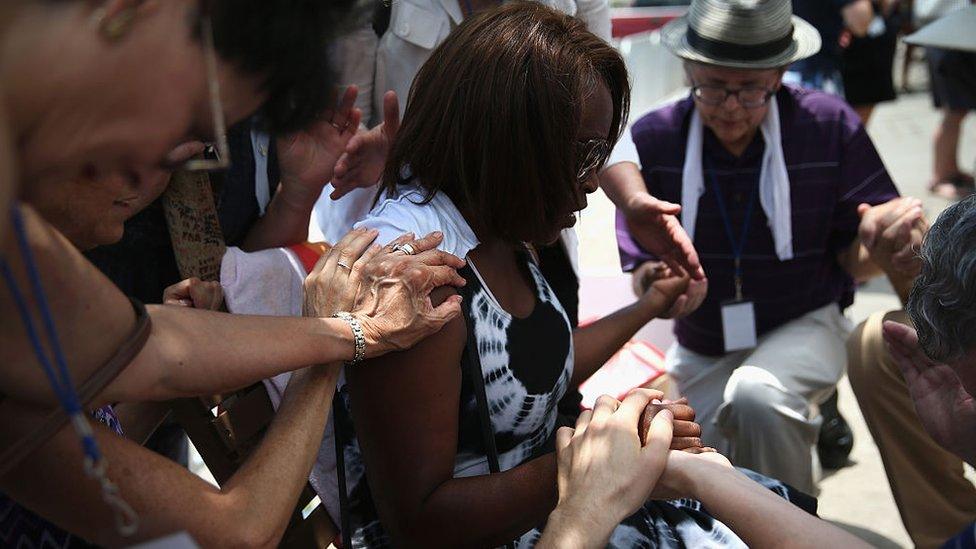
934	499
760	407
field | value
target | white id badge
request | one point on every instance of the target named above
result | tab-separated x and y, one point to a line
738	325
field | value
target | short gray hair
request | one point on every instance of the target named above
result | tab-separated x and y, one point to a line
942	304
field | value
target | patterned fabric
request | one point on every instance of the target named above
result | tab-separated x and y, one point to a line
526	364
833	167
23	529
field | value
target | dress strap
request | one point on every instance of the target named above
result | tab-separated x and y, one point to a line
91	388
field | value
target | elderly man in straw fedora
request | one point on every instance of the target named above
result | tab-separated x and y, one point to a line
788	205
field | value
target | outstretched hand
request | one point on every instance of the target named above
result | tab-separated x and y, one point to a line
653	223
361	164
308	158
946	410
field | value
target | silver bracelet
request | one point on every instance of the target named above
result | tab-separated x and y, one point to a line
359	338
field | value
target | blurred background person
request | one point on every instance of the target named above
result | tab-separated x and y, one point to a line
951	73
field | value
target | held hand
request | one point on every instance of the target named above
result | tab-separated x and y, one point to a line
334	282
307	158
602	463
653	224
393	303
892	233
650	273
946	410
195	293
362	163
687	433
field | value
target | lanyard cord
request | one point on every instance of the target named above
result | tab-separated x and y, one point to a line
737	247
126	519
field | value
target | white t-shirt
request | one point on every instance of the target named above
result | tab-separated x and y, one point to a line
405	212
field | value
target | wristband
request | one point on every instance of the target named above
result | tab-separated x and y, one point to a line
359	338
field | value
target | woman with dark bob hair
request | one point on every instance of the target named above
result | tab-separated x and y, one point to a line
451	443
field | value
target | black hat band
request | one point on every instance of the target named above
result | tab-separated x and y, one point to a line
728	50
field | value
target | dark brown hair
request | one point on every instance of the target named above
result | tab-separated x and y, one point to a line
493	115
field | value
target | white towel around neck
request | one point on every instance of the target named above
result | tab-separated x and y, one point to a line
774	182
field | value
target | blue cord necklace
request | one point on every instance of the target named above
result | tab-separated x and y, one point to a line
126	520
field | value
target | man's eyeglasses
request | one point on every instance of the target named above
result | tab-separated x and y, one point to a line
591	156
750	98
219	148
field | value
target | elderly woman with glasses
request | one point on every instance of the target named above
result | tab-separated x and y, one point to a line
101	92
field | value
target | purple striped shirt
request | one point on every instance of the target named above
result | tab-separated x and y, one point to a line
833	167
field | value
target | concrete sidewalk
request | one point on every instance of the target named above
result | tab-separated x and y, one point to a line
857	497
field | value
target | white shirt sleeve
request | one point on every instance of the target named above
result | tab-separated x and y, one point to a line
624	151
393	217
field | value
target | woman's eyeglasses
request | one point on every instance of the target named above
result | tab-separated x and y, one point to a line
750	98
219	149
591	155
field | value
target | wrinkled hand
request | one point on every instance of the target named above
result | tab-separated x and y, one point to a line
654	225
195	293
687	433
892	233
602	463
393	303
307	158
946	409
333	283
362	163
647	274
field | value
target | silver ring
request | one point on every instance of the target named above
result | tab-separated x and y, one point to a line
407	249
341	264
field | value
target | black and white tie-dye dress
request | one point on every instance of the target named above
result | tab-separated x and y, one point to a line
526	364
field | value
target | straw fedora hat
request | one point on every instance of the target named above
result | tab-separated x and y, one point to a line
742	34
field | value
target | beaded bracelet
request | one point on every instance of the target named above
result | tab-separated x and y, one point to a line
359	337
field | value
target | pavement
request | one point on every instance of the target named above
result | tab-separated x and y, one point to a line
856	497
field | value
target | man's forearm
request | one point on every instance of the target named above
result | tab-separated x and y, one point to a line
857	262
760	517
621	182
569	529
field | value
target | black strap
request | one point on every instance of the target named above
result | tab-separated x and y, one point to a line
11	456
339	419
472	369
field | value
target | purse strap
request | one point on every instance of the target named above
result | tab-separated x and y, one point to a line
472	369
11	456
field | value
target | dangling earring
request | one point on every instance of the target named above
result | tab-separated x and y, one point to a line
115	27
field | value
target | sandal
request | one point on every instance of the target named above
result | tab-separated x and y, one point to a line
955	187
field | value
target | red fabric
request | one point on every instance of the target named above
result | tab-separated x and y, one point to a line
634	365
309	253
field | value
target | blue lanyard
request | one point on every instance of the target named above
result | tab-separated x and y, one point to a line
737	246
58	375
